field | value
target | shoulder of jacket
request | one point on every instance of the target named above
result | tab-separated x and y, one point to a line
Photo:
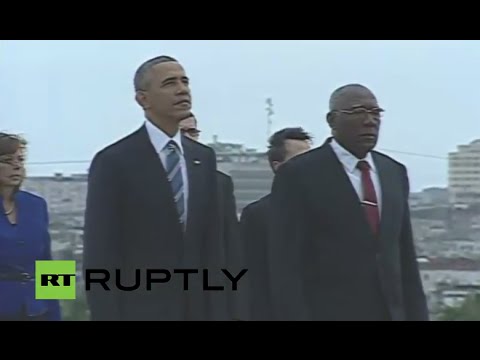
119	145
223	175
390	159
198	145
32	196
257	203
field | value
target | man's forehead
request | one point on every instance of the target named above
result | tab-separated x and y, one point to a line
169	69
353	97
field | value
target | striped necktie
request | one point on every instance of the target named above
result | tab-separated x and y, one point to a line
174	173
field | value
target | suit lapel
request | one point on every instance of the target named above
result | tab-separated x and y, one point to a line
194	168
152	173
343	193
388	183
347	194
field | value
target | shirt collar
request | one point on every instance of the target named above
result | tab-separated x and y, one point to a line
349	160
160	139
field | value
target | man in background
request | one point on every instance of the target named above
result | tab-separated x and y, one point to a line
340	237
228	230
283	145
150	196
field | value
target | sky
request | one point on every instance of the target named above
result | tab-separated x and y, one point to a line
71	98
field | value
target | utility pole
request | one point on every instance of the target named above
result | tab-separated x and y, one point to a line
270	113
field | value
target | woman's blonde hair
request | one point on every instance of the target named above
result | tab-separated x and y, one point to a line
10	144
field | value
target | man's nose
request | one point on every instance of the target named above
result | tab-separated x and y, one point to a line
183	88
371	120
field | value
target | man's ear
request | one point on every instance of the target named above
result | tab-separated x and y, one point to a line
331	121
142	99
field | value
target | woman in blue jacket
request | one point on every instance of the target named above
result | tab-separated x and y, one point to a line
24	238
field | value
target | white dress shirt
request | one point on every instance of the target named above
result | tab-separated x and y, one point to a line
350	162
159	141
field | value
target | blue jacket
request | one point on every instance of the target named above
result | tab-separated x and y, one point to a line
20	246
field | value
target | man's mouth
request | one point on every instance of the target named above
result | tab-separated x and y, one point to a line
185	102
369	136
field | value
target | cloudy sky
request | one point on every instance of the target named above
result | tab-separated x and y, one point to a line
72	98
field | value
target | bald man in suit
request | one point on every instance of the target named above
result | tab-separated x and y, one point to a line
340	237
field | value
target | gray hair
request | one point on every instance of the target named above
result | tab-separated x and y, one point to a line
341	91
141	80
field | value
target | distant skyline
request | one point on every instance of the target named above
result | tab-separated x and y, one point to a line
71	98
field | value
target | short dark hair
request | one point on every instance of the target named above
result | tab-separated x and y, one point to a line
141	79
276	148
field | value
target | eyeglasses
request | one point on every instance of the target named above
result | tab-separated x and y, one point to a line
362	111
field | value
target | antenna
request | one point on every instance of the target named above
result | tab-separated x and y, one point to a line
270	113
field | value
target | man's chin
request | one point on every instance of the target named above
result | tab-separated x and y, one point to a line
368	143
181	115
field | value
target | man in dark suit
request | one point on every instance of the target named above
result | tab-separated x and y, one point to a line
150	196
229	232
340	241
283	145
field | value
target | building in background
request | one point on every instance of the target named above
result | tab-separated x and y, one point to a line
464	174
250	171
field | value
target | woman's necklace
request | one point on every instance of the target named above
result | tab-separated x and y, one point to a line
11	210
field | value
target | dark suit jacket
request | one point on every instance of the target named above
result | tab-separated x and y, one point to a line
131	223
325	264
230	233
254	228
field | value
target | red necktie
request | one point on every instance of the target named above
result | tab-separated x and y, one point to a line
370	202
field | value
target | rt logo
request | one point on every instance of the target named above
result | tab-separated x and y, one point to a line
55	280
